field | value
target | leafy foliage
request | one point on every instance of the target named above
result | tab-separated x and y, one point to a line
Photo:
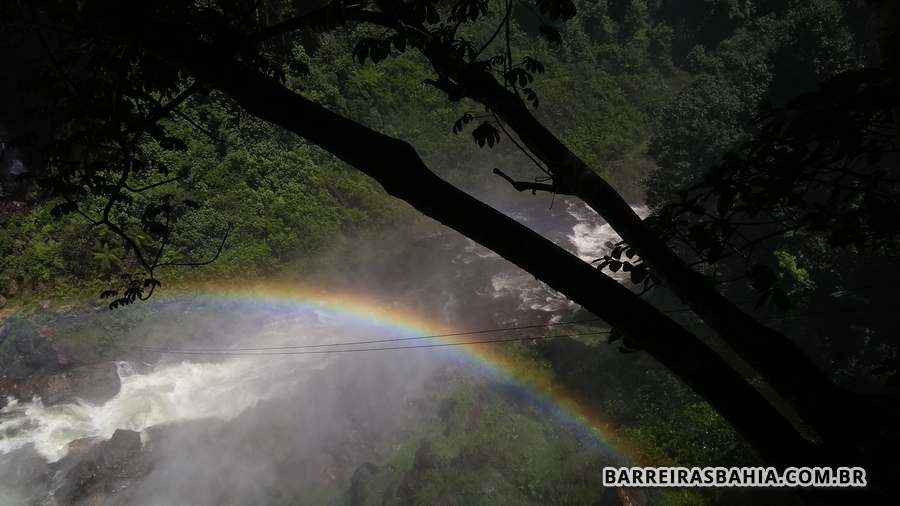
755	64
285	201
486	134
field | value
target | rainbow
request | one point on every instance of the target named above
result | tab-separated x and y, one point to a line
539	383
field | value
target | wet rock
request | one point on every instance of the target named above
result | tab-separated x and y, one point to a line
3	302
24	475
92	383
82	444
120	449
16	368
28	466
24	350
94	474
9	388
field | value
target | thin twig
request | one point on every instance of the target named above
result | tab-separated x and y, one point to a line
521	147
493	36
153	185
525	185
204	262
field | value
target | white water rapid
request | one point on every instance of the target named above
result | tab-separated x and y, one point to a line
184	391
169	393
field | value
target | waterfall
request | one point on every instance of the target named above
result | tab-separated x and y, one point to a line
176	392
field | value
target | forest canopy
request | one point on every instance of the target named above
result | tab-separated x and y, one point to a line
170	142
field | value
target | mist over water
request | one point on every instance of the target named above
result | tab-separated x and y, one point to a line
242	430
245	421
167	393
192	387
591	237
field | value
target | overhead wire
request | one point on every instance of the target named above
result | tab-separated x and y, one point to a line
413	338
280	350
227	352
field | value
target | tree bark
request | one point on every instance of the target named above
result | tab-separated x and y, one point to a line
779	361
399	169
783	365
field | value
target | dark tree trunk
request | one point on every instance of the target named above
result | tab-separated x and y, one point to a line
783	365
780	362
398	168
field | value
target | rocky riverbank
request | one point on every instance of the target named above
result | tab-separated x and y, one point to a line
33	363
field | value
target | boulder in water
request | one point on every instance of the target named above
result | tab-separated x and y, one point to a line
24	475
120	449
93	383
82	444
92	474
24	351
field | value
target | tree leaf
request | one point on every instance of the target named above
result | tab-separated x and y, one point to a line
464	120
486	134
532	65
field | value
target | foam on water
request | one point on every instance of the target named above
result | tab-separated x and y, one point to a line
177	392
591	235
589	238
189	391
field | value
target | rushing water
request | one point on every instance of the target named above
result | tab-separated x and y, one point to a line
190	389
590	236
176	392
172	392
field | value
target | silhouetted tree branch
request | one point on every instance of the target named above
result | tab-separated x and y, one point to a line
522	186
398	168
786	368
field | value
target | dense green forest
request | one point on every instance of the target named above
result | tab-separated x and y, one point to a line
650	93
657	103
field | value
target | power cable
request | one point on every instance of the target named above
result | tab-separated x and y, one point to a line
227	353
206	351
